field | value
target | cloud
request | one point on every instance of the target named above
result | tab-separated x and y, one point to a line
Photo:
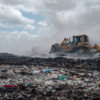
16	42
12	2
42	23
13	15
25	5
77	17
30	27
6	26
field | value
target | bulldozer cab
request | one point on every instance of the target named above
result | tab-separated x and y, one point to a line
80	39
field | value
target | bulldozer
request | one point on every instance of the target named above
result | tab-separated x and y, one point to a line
80	45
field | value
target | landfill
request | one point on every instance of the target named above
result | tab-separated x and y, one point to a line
49	79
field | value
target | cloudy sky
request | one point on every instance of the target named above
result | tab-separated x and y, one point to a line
28	26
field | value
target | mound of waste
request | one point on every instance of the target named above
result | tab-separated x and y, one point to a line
26	78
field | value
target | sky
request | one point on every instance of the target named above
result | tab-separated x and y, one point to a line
28	27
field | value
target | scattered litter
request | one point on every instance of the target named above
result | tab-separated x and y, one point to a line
62	77
50	79
46	70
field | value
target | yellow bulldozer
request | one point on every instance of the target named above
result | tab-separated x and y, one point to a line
80	44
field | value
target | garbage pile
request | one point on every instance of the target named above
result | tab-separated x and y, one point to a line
49	81
9	59
26	78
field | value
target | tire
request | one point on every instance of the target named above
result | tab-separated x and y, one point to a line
82	50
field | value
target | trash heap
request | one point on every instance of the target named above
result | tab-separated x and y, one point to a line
27	78
50	79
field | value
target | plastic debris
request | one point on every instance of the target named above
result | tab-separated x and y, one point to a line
9	85
29	84
46	70
62	77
